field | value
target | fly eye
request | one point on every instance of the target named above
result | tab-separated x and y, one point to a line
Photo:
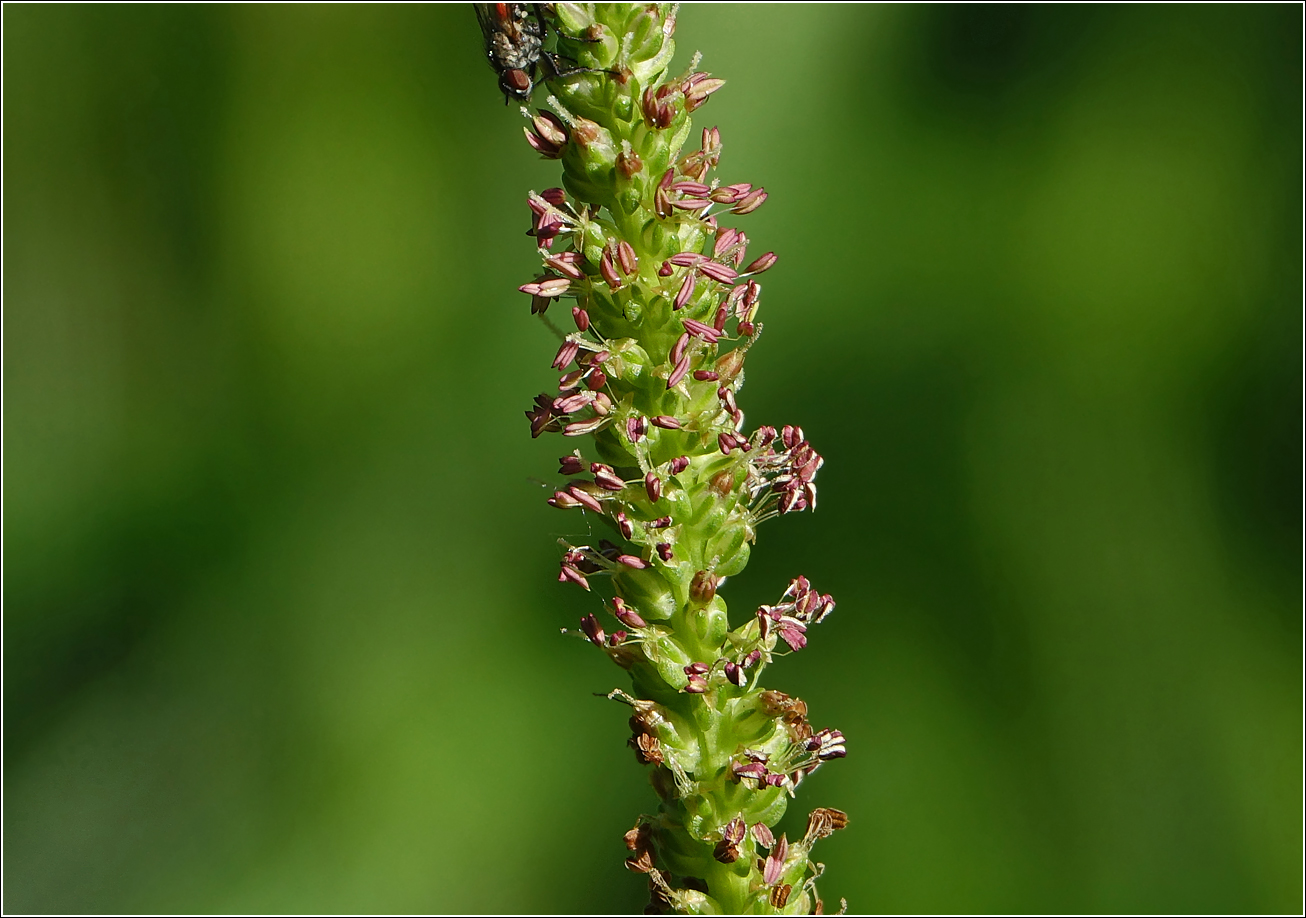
516	81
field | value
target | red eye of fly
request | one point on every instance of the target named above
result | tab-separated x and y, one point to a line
518	80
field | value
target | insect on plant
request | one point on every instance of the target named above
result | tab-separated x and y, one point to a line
514	36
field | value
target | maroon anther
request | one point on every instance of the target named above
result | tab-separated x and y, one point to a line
569	403
563	501
608	269
678	373
678	349
626	615
687	259
697	685
653	486
566	354
762	835
719	272
595	359
636	427
706	376
719	323
693	189
664	552
750	202
585	498
691	204
791	436
662	522
629	163
678	465
570	465
567	263
791	630
725	196
827	744
606	478
602	403
726	442
568	382
539	305
569	574
625	525
697	669
761	264
659	114
746	329
555	196
697	89
596	380
666	269
666	422
685	292
549	134
627	258
590	625
700	330
632	561
724	240
546	286
735	674
617	638
754	770
752	659
752	293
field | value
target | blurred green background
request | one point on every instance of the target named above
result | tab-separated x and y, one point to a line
280	626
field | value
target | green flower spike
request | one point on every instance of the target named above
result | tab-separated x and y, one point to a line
665	310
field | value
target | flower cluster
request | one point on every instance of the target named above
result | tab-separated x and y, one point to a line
665	303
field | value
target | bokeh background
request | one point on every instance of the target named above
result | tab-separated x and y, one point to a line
280	626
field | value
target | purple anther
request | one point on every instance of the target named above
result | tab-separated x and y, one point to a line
691	204
562	500
566	263
607	479
692	189
726	442
664	552
566	354
679	371
590	625
761	264
746	329
719	323
570	465
755	770
662	522
735	674
706	376
581	317
827	744
625	525
697	669
608	269
636	427
724	240
719	272
552	286
685	292
666	422
762	835
653	486
687	259
569	574
581	428
773	870
626	615
555	196
697	685
700	330
632	561
596	380
585	498
752	659
627	258
602	404
678	465
678	349
566	404
791	436
617	638
666	269
750	202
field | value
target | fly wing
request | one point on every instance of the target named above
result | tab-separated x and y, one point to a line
487	15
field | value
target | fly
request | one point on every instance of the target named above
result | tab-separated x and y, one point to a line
514	45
